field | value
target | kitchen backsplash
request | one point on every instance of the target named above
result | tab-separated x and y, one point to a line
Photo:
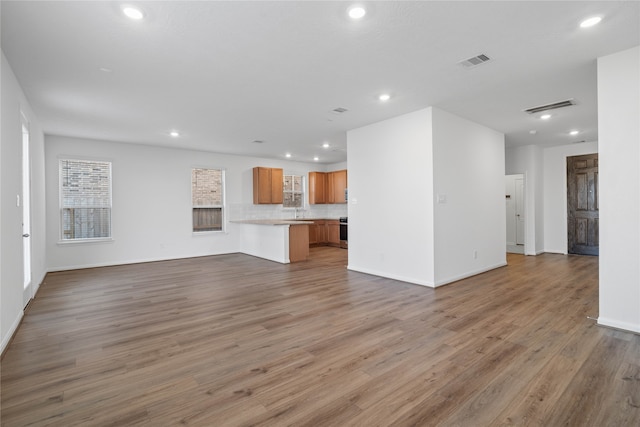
251	211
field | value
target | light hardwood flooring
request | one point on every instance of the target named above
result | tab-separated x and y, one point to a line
233	340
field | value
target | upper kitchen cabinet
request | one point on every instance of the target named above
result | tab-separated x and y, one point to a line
267	186
317	188
337	187
327	187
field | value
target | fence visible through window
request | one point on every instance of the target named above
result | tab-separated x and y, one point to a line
85	201
207	199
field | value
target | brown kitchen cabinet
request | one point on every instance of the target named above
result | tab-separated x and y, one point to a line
267	186
337	184
317	188
333	233
313	234
318	233
327	187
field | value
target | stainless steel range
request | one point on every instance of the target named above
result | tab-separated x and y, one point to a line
343	232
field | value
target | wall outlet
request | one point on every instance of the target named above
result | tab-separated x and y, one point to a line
475	254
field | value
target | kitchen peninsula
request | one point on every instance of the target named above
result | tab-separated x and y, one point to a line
283	241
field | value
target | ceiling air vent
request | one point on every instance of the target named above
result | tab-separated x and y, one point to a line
555	105
475	61
339	110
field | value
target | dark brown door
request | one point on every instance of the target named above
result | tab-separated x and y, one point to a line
582	204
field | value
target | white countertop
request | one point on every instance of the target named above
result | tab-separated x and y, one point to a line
273	222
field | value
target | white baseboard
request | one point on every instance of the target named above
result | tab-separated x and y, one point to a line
420	282
625	326
7	338
555	251
411	280
137	261
469	274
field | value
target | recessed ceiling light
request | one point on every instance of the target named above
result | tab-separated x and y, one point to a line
533	131
325	145
545	116
574	132
316	158
590	22
174	133
357	12
288	155
384	97
133	12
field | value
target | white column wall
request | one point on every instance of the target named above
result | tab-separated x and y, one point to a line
391	198
470	225
555	193
397	168
14	103
619	170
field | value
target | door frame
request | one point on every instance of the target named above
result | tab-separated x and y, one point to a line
524	206
27	258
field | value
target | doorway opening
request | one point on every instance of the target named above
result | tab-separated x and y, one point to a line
26	213
515	213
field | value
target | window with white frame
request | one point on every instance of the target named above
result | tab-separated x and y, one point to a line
207	199
293	191
85	199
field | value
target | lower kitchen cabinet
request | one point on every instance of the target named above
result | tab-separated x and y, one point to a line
318	233
333	233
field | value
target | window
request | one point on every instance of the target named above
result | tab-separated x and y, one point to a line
207	191
85	199
293	191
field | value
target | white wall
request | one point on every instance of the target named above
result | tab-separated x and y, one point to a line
391	198
11	258
151	218
396	170
470	226
619	165
555	193
528	161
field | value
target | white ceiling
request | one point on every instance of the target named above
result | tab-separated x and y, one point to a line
227	73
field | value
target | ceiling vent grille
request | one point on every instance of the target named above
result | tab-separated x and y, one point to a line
554	106
475	61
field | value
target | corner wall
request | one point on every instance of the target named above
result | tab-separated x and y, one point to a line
470	223
397	170
391	198
619	166
14	103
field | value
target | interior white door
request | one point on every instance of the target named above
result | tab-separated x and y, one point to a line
26	214
519	211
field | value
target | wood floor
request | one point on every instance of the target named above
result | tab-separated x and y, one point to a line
234	340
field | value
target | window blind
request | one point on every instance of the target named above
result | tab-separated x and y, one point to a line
85	193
